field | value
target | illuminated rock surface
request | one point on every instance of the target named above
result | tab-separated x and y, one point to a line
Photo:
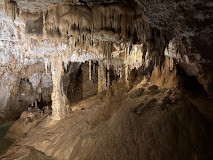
70	71
158	123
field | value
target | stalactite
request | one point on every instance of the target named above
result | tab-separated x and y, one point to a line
44	26
147	59
46	66
126	67
65	60
93	70
108	79
10	8
99	78
90	68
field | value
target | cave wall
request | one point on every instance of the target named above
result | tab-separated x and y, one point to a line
189	24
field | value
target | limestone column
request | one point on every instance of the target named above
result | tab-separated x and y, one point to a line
57	96
103	75
101	78
126	77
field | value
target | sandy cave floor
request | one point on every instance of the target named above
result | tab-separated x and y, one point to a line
146	123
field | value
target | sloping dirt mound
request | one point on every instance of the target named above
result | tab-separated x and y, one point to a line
27	120
150	127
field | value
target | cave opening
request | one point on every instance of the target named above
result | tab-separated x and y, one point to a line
190	83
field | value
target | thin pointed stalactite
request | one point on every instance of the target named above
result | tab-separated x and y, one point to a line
90	70
44	26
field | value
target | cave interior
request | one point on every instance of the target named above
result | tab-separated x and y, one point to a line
106	79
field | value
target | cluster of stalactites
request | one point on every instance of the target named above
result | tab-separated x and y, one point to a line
171	54
87	31
132	56
76	30
123	59
10	8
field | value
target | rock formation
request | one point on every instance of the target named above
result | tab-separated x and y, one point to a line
86	60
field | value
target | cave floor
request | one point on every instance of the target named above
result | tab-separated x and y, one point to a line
4	142
146	123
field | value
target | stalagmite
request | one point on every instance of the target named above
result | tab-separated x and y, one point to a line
36	105
32	104
171	63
